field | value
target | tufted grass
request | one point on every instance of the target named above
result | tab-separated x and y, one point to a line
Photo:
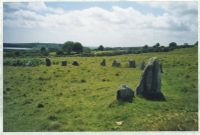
82	98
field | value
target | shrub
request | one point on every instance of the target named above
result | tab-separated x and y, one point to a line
59	53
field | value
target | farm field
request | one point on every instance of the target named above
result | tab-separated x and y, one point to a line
83	98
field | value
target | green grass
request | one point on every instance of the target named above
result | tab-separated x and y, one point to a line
83	98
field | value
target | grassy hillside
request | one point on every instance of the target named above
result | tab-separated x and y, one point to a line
83	98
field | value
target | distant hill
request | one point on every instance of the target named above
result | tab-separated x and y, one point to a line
33	45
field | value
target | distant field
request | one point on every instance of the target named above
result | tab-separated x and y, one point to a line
83	98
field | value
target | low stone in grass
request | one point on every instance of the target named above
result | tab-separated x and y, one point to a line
103	63
116	63
125	93
64	63
48	62
150	83
75	63
132	64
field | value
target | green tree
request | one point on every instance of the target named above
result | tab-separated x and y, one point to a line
145	46
156	45
172	45
77	47
44	51
70	46
67	47
100	48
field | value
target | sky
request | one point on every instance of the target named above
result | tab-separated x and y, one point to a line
111	24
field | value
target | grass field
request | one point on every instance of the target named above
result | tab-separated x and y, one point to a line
83	98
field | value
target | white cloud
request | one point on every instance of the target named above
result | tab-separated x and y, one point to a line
176	7
41	7
15	5
95	25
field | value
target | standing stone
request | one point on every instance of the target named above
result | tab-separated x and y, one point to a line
103	63
161	68
124	93
132	64
142	66
116	63
150	84
48	62
75	63
64	63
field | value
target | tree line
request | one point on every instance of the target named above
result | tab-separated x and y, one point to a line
70	48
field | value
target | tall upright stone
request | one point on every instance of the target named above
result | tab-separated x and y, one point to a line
150	83
103	63
48	62
132	64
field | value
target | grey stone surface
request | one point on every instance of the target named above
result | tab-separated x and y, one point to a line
150	83
48	62
161	68
64	63
116	63
75	63
132	64
125	93
103	63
